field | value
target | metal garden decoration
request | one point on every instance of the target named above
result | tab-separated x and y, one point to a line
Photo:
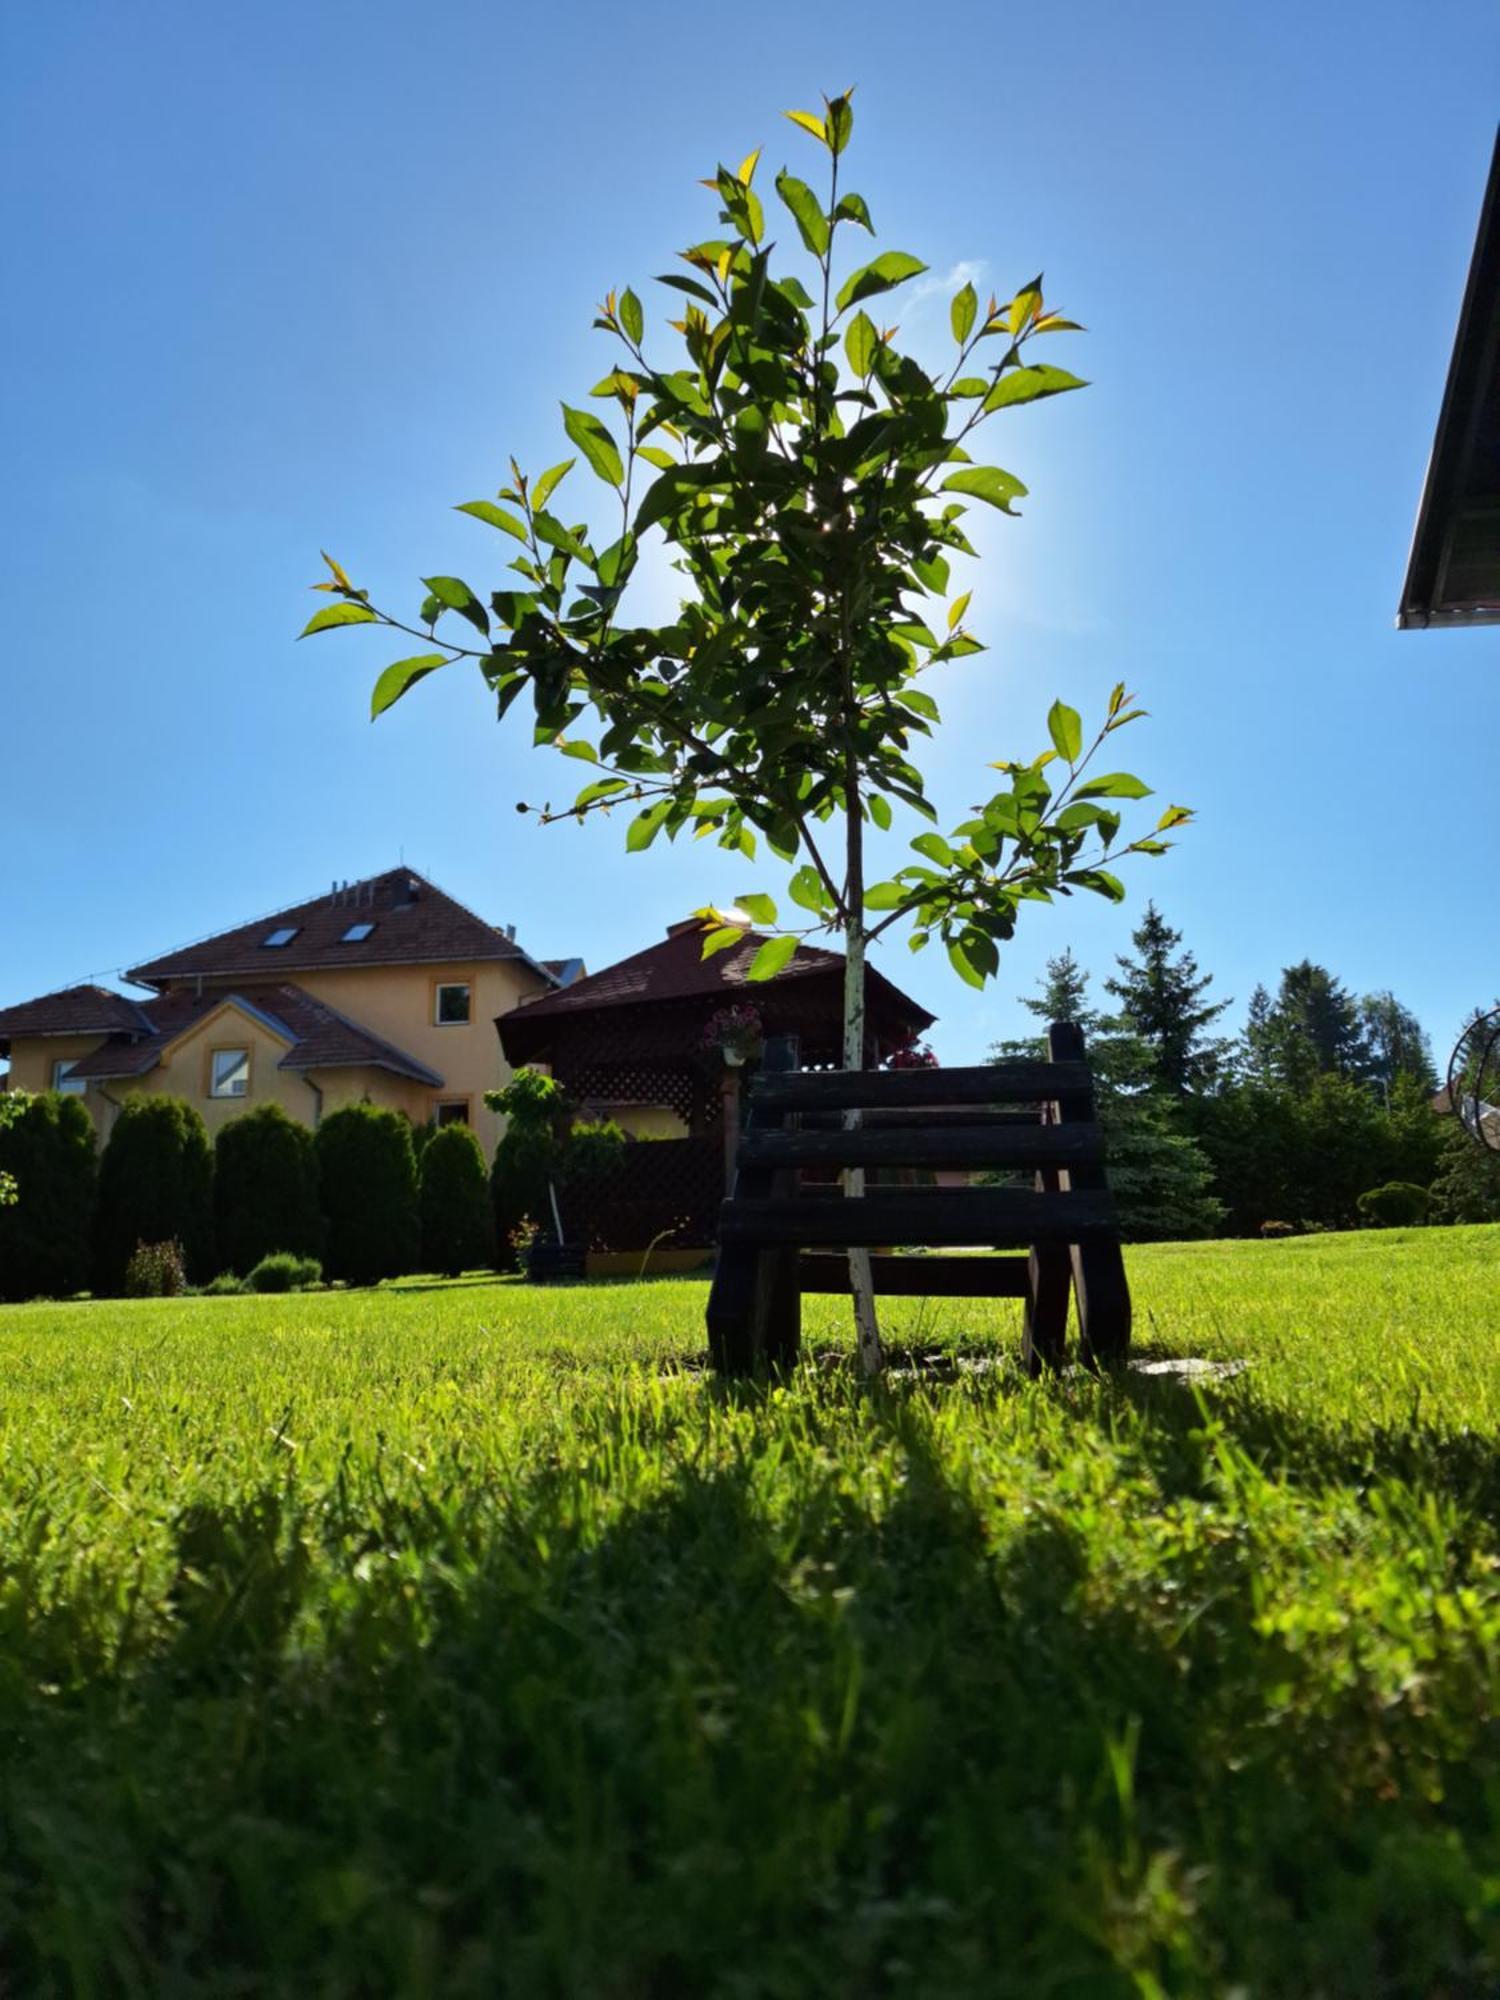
810	480
1474	1080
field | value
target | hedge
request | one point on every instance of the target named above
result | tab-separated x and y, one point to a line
368	1180
265	1190
47	1148
458	1228
156	1185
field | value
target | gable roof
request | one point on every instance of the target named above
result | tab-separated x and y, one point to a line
412	923
318	1036
676	970
76	1010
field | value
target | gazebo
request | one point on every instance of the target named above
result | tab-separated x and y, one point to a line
649	1043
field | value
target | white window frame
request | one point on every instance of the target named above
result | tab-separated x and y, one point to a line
442	986
62	1066
213	1073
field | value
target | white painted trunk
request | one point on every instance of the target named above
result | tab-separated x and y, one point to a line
861	1284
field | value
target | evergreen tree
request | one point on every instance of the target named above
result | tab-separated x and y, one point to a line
156	1185
1255	1053
1316	1029
1160	1178
458	1230
1397	1043
47	1156
1161	1000
265	1189
369	1192
1466	1187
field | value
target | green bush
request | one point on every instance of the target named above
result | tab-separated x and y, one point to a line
47	1153
1397	1205
525	1159
282	1271
368	1184
265	1189
225	1286
155	1271
1466	1187
458	1229
156	1185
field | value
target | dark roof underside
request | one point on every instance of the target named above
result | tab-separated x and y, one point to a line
1453	577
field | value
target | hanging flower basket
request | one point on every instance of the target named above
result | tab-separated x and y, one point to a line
735	1033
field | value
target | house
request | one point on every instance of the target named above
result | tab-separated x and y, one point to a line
384	991
635	1042
1453	576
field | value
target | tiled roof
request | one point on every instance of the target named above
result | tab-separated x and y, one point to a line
676	969
320	1036
412	922
77	1010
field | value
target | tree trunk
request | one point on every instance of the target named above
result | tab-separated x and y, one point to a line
861	1283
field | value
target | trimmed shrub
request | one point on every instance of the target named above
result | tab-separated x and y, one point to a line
368	1181
458	1229
265	1189
156	1185
47	1153
284	1272
155	1271
525	1159
225	1286
1397	1205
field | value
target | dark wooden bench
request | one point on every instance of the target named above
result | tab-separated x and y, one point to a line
779	1232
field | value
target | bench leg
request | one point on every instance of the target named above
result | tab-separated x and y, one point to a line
776	1324
1046	1313
731	1312
1103	1304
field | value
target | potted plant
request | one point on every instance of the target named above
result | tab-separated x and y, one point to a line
736	1033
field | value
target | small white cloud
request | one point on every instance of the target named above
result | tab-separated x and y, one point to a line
943	284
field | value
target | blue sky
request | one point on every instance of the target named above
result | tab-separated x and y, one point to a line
299	275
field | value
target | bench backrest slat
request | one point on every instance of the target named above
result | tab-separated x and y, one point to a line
988	1083
928	1145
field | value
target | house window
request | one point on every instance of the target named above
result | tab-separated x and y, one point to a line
452	1005
64	1080
455	1112
283	934
229	1072
356	934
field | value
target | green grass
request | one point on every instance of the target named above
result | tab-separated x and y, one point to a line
468	1639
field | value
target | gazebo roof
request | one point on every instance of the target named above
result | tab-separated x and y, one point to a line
675	971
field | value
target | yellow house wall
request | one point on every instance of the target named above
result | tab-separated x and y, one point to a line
184	1071
31	1060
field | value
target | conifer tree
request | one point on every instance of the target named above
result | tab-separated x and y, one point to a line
1160	992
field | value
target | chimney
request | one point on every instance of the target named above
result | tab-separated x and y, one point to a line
510	932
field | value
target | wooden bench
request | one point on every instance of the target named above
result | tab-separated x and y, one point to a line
778	1233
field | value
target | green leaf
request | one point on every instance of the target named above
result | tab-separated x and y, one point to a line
758	907
806	888
1101	881
958	958
935	848
549	482
457	596
771	957
890	268
404	674
1065	727
880	811
840	122
810	122
963	312
496	517
645	826
596	444
806	211
602	788
631	317
986	482
1029	385
886	895
722	939
1114	785
861	344
957	609
851	208
337	614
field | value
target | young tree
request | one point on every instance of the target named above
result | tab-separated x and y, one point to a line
1161	998
810	480
156	1185
1064	994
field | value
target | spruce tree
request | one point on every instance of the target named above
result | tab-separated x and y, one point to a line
1161	999
1397	1043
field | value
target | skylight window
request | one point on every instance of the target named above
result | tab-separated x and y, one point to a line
283	934
356	934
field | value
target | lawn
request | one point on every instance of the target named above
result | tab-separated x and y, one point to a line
469	1639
